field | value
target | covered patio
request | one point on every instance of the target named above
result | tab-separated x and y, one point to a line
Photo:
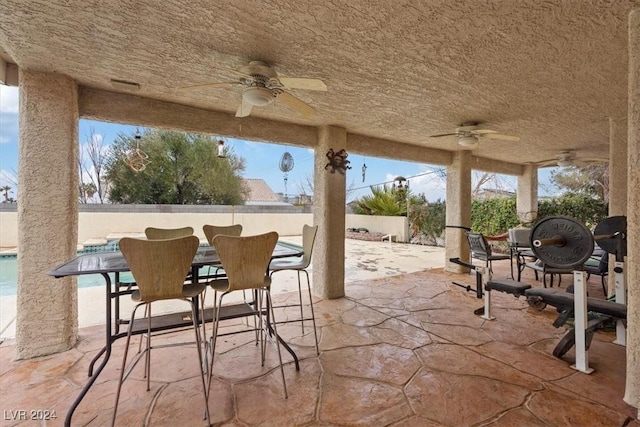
560	75
400	351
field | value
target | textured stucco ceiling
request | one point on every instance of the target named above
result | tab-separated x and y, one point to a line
549	71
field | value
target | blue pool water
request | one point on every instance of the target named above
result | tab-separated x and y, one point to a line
9	270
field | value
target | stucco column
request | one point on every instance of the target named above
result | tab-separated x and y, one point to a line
47	313
329	199
527	194
617	179
458	209
632	391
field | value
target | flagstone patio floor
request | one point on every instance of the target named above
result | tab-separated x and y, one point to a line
404	350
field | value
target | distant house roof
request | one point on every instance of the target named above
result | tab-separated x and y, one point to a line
259	192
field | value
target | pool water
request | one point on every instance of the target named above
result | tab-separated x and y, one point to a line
9	277
9	271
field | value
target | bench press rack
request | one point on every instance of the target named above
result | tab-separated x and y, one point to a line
563	242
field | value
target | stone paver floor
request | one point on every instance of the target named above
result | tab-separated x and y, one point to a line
404	350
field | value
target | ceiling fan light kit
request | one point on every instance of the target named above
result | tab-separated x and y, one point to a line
468	141
258	96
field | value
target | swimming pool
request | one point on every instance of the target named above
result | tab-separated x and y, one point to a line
9	270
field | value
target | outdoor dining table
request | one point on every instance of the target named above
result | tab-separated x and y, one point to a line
114	263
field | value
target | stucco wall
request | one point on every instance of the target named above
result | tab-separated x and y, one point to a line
98	221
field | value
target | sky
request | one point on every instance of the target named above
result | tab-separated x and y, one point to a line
261	160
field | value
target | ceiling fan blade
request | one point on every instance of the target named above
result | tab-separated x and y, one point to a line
443	134
296	104
244	109
502	137
548	163
484	131
207	86
307	84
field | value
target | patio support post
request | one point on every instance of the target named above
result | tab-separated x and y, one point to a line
458	209
617	178
632	390
527	194
47	313
329	199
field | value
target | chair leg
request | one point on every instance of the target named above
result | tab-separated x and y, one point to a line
148	355
300	297
124	364
313	314
205	386
216	321
275	333
604	286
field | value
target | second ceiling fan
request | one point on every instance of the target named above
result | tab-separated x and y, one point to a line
262	86
470	132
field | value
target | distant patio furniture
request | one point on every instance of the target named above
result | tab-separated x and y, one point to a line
153	233
599	267
481	250
520	249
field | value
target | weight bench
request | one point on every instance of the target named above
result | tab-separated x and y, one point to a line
486	283
564	302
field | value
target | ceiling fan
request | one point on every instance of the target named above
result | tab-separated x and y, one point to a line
262	86
470	132
570	158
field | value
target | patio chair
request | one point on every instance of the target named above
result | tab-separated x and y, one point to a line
159	268
245	261
481	250
601	269
153	233
300	265
520	249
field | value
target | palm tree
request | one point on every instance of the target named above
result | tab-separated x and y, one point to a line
5	189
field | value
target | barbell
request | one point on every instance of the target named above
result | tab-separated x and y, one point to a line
563	242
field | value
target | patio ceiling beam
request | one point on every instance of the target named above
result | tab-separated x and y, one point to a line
380	147
496	166
97	104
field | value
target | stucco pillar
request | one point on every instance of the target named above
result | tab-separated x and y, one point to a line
47	313
617	179
527	194
632	391
329	199
458	209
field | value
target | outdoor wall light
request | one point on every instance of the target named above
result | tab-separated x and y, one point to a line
337	161
401	182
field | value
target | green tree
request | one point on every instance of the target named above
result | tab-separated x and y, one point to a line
180	169
591	180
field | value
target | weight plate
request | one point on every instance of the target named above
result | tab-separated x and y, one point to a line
574	242
609	226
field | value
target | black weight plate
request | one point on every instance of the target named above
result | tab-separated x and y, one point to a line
576	249
609	226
